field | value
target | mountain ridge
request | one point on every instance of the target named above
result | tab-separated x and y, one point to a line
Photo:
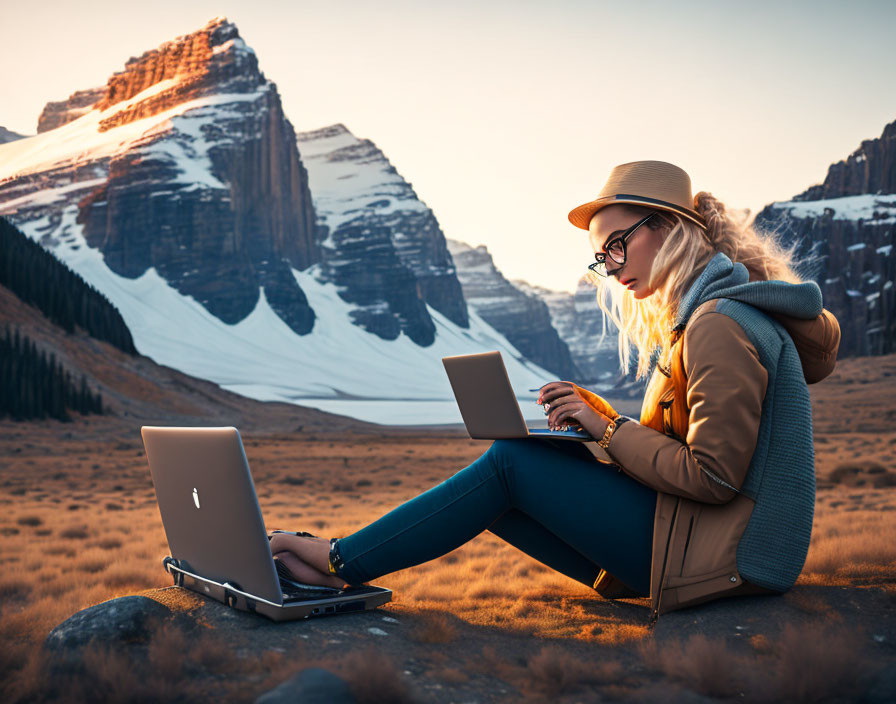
198	224
373	223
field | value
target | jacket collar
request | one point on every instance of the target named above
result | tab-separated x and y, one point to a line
722	278
720	273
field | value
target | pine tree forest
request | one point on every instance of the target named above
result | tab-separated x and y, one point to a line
39	278
34	385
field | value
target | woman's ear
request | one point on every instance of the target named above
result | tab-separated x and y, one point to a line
665	226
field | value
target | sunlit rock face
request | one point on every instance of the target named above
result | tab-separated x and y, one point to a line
60	113
523	318
185	163
845	228
382	245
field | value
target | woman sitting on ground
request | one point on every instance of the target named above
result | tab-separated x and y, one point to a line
712	493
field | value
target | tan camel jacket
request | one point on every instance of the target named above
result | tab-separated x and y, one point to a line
698	431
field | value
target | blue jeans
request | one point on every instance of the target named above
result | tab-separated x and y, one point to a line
549	498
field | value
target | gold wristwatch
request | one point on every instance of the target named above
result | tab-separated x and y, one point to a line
611	428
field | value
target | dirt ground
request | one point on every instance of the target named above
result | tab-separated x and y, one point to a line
79	524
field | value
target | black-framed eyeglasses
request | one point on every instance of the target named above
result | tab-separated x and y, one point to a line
615	248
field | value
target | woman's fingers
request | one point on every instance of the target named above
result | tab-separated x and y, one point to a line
557	400
305	573
282	541
567	408
585	417
562	409
556	395
553	389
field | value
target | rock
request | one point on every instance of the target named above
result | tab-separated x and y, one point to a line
60	113
311	686
360	259
845	226
126	619
869	169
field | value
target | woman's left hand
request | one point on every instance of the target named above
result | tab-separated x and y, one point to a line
566	406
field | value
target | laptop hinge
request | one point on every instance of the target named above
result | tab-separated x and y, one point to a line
231	591
172	567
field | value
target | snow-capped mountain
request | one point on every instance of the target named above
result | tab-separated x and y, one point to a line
382	246
186	165
846	224
179	194
523	318
578	321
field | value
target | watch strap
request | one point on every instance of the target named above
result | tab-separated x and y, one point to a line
612	426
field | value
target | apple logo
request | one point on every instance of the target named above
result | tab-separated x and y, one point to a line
196	497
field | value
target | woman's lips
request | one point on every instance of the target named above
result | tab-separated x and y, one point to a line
629	284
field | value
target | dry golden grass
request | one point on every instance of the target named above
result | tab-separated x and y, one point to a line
702	664
812	663
852	538
552	672
55	560
177	666
373	678
433	627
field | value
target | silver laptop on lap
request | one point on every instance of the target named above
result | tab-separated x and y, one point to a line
487	402
216	535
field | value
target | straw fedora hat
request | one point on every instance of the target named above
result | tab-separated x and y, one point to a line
656	184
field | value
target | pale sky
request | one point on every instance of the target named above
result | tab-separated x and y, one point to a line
505	115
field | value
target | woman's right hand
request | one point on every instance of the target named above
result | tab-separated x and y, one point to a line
564	406
595	402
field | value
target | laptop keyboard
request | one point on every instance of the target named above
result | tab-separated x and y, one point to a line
306	591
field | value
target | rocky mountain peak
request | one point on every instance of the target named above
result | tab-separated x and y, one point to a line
328	132
185	68
870	169
382	246
62	112
213	59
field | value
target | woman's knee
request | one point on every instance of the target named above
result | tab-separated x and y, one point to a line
508	457
504	451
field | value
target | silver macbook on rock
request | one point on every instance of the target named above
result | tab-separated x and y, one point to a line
216	535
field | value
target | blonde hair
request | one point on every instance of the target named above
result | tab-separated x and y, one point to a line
646	324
